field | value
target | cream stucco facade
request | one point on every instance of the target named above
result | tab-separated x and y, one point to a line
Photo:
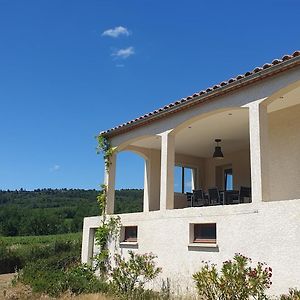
259	124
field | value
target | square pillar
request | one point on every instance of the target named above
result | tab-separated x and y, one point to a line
147	186
152	181
259	150
167	170
109	181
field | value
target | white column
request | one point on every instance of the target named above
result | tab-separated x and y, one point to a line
259	143
152	181
167	170
147	185
109	180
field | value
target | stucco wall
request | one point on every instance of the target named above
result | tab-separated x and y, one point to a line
284	153
267	232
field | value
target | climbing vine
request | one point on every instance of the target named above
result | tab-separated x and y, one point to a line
104	147
109	228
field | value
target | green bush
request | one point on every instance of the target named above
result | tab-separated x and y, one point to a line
130	276
82	279
293	294
9	261
48	276
237	280
55	268
15	253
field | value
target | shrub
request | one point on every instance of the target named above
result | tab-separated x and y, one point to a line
237	280
82	279
45	275
293	294
16	253
8	259
130	276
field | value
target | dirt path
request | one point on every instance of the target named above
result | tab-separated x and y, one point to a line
5	280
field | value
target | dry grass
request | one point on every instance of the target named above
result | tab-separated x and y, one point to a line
22	292
91	297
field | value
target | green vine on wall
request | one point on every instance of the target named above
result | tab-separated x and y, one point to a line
109	228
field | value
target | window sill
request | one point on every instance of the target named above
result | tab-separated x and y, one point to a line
129	244
203	245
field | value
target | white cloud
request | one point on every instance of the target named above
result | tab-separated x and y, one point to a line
116	32
123	53
55	168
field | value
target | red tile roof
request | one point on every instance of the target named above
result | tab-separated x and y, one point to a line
258	73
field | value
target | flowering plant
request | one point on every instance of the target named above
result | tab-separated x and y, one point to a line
237	280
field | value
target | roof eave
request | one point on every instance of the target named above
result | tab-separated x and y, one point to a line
248	80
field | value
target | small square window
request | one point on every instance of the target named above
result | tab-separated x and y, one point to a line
130	234
205	233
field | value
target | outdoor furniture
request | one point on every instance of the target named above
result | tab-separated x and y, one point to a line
231	197
198	198
214	196
245	194
236	197
189	199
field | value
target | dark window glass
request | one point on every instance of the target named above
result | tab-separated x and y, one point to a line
130	234
205	233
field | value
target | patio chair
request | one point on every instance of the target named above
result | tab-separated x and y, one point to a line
245	193
198	198
232	197
189	199
214	196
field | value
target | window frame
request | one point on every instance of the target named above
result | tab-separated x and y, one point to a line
127	237
198	240
194	171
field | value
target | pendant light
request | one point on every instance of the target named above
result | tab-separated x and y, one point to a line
218	152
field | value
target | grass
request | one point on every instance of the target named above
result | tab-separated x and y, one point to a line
16	252
38	240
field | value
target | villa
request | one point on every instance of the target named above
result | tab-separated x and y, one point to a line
238	142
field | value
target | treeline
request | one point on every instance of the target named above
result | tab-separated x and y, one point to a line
55	211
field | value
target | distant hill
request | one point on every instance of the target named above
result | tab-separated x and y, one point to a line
54	211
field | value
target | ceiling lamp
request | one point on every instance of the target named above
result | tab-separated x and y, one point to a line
218	152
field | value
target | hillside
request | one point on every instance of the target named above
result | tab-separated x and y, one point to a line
55	211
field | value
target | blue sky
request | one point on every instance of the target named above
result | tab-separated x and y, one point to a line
63	79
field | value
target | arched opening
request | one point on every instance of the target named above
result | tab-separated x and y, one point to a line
198	174
129	188
150	148
138	175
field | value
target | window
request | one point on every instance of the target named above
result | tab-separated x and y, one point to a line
130	234
184	178
228	180
205	233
